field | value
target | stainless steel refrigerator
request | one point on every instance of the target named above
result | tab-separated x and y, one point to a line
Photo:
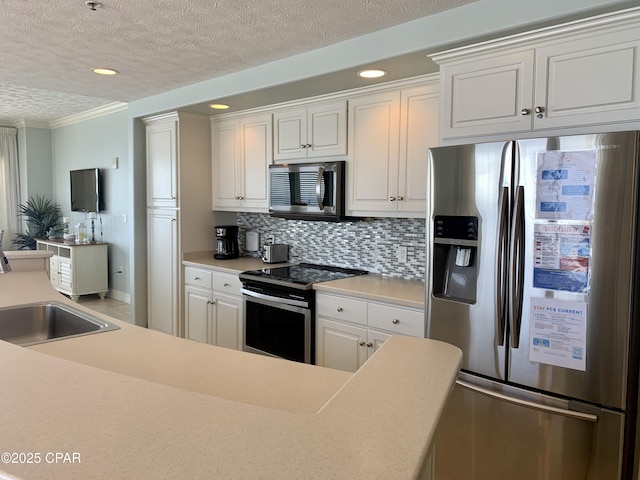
533	273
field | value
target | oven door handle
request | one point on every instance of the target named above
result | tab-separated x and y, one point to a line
262	296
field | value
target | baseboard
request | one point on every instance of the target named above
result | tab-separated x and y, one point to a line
120	296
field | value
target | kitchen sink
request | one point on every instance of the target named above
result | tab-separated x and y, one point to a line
35	323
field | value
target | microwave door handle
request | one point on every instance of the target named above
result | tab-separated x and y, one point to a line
319	188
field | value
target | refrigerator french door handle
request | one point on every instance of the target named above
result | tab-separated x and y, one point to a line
589	417
501	267
516	270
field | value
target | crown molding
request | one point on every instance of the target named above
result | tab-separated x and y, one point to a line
23	123
88	115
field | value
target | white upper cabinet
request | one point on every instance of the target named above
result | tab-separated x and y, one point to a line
241	153
579	74
389	136
162	164
312	131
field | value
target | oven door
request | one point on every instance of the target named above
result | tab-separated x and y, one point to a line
277	327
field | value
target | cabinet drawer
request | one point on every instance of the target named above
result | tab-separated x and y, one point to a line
227	283
198	277
341	308
396	320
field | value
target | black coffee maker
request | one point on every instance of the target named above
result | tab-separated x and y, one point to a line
227	242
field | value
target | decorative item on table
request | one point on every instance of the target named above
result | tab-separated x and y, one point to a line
81	233
92	216
65	230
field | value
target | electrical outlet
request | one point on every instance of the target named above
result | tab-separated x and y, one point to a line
402	254
271	239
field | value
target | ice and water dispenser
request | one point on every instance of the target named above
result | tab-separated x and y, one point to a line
455	253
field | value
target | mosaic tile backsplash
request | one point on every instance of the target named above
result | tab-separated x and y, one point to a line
369	244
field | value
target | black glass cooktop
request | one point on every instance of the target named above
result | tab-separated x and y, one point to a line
303	275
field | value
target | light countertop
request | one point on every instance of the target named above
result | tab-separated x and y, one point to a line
118	400
409	293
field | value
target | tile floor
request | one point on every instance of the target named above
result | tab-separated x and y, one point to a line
108	306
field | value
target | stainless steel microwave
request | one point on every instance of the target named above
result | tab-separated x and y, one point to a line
307	191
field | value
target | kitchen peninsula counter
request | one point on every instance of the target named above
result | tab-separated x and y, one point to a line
127	417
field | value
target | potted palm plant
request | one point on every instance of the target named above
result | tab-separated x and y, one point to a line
42	216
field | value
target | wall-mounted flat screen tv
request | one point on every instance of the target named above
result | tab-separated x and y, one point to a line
86	190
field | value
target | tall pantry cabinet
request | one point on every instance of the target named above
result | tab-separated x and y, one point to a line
179	217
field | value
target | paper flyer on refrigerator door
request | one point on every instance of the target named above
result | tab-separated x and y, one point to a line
558	333
565	183
562	255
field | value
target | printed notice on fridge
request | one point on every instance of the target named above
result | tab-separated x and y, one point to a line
561	257
558	333
565	182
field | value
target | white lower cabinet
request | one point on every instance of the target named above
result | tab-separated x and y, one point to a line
349	330
213	307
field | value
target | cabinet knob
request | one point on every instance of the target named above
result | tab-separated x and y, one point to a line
361	344
308	145
392	199
400	198
524	112
369	344
303	146
211	302
539	109
395	321
225	284
196	278
339	309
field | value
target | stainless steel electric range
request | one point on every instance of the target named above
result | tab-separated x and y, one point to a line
279	308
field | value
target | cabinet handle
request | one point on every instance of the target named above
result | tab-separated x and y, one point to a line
196	278
339	309
361	344
392	199
225	284
395	321
369	344
524	112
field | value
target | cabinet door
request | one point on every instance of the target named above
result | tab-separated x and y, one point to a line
290	134
66	276
197	314
162	271
228	322
162	165
589	81
225	148
327	129
487	96
340	346
375	340
257	154
418	132
374	133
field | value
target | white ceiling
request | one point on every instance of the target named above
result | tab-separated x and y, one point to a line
47	48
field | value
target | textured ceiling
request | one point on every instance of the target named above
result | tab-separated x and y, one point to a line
47	48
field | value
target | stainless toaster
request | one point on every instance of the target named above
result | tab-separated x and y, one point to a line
275	253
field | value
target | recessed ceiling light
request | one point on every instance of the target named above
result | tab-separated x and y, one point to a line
374	73
219	106
104	71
